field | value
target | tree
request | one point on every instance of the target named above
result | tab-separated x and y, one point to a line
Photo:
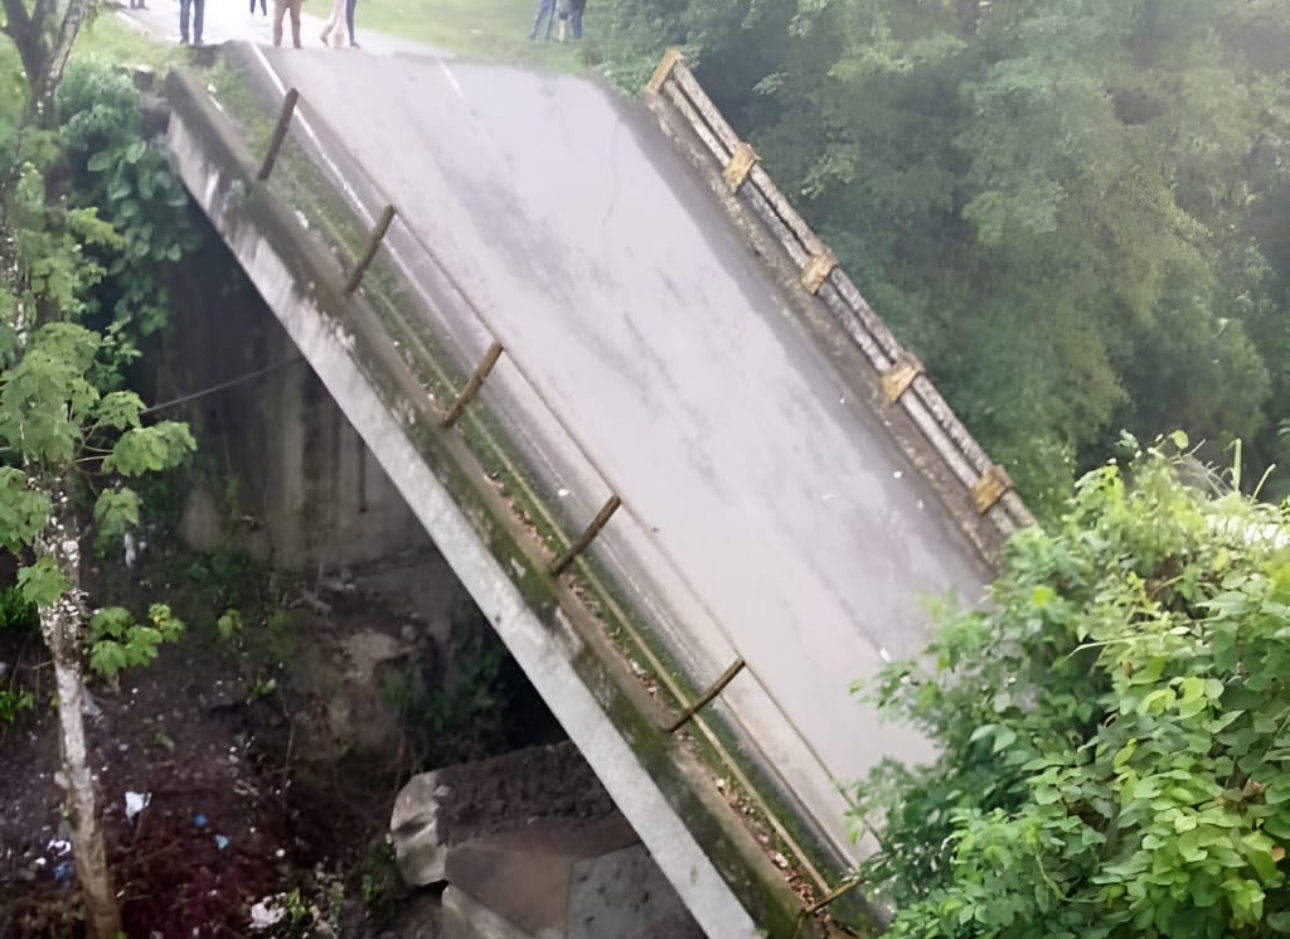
1114	756
70	437
1071	210
44	37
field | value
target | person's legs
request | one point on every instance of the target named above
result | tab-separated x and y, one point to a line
546	10
279	10
575	21
183	20
349	20
199	16
295	22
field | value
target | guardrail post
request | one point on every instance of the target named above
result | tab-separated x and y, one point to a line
279	134
990	488
829	898
661	74
718	686
587	537
373	245
897	379
817	270
476	382
741	163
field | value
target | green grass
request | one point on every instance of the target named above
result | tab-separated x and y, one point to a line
485	29
107	37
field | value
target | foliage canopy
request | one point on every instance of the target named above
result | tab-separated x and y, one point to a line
1115	759
1073	211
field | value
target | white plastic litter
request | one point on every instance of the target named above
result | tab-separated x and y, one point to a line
136	802
264	914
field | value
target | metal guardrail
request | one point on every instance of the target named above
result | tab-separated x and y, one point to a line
318	138
902	377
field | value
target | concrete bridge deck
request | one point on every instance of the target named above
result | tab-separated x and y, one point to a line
770	512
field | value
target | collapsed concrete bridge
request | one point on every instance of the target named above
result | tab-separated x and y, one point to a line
690	477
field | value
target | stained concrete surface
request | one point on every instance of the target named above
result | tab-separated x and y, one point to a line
298	485
285	269
780	506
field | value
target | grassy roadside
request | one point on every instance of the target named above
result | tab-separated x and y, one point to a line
485	29
108	37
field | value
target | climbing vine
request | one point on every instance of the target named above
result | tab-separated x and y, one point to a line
129	184
1115	759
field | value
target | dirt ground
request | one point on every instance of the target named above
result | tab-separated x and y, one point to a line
250	788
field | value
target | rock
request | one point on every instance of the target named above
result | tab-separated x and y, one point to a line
414	829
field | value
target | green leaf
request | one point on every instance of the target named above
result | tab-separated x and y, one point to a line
112	622
41	584
1278	922
23	512
1191	689
119	410
150	449
116	511
1189	847
101	161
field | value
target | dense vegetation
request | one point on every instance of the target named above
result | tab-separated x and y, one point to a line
1115	761
88	212
1074	211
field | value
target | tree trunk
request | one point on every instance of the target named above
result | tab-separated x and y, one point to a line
44	38
61	624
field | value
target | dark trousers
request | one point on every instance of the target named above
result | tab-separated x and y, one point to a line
198	9
349	18
264	7
546	13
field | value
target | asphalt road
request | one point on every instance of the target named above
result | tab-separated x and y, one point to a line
804	539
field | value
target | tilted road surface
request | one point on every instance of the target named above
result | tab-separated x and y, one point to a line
803	538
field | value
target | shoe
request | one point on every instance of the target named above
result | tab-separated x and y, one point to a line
353	44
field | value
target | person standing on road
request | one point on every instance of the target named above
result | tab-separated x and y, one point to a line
198	10
280	10
349	22
570	13
546	11
331	33
341	10
264	8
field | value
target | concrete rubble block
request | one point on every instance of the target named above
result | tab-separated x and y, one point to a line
414	829
531	847
567	879
459	803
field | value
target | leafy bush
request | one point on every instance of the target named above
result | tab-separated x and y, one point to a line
15	612
1113	729
13	703
130	184
117	642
